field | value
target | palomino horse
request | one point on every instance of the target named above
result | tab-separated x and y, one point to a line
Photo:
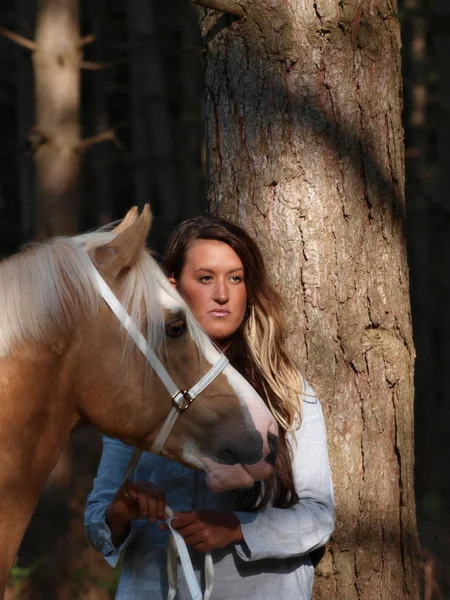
65	358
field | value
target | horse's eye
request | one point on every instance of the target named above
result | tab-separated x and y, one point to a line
176	329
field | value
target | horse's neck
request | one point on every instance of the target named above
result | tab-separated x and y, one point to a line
35	420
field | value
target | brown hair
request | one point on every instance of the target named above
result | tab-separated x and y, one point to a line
257	350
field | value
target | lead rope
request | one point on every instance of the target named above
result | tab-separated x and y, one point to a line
177	547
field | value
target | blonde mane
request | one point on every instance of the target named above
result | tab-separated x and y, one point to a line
48	289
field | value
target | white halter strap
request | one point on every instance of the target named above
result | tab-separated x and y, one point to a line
181	400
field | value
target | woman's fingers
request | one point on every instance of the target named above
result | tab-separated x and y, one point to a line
183	519
202	547
162	507
195	538
190	529
144	507
154	503
157	502
144	500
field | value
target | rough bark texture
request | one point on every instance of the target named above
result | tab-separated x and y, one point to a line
56	136
305	149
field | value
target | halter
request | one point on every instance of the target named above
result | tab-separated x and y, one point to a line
181	400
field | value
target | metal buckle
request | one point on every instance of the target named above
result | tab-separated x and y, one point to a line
182	400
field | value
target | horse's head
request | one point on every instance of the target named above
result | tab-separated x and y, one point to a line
227	431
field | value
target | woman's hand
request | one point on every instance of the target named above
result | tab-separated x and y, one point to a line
140	500
207	530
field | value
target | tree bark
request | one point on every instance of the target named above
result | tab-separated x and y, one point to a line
305	150
56	136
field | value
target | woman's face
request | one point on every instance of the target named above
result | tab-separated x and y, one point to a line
213	285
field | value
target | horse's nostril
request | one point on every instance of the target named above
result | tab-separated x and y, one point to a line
273	446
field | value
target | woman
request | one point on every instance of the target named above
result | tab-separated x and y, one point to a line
260	538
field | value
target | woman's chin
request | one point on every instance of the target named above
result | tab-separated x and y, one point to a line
219	331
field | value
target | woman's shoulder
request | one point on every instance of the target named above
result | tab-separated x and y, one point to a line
309	394
310	410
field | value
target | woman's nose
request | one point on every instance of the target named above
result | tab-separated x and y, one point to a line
221	295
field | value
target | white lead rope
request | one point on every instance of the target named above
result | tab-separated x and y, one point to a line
177	547
181	400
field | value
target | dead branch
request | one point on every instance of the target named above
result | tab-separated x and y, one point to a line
95	66
106	136
36	138
226	6
193	49
18	39
87	39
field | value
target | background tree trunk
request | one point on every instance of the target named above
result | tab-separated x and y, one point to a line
57	131
305	149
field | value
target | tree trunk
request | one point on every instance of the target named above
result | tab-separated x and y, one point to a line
305	150
57	131
156	178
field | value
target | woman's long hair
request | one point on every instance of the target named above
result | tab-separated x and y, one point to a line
257	350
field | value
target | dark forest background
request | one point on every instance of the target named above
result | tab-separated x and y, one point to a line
141	119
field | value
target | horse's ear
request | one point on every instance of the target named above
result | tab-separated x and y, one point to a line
122	252
128	220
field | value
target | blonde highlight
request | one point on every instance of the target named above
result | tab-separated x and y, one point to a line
264	335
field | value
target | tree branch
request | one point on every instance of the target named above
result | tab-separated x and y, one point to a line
226	6
94	66
193	49
18	39
106	136
87	39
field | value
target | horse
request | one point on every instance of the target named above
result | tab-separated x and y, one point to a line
65	359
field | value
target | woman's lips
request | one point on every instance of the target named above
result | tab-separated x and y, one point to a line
219	312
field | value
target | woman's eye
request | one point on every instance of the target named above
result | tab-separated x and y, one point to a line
205	278
236	279
176	329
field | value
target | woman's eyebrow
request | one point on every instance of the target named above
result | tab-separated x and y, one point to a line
205	270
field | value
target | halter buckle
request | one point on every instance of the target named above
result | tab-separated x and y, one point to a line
182	400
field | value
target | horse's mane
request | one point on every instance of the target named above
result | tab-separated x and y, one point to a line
48	289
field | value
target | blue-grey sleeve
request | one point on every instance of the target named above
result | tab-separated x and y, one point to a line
284	532
111	470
